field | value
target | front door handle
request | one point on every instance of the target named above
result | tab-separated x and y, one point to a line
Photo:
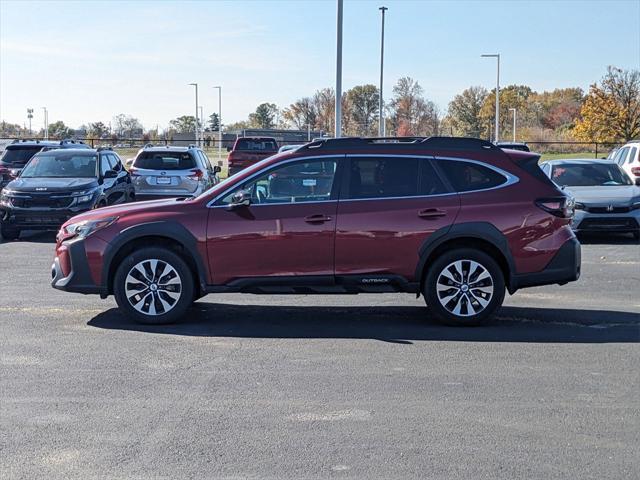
431	213
319	218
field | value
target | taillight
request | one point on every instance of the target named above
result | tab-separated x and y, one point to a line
133	172
558	206
196	174
636	171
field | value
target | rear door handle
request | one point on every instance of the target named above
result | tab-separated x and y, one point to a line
431	213
319	218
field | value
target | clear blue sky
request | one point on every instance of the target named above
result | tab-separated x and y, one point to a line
88	61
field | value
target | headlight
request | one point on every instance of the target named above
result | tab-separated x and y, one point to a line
635	205
578	206
86	227
83	196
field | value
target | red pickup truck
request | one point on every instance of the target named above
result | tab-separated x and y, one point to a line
249	150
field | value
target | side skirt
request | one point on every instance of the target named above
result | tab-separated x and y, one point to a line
323	285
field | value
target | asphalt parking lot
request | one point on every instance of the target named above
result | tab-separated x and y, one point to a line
322	387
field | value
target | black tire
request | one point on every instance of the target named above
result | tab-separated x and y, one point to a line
456	305
9	232
161	295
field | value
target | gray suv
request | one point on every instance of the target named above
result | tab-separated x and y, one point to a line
170	171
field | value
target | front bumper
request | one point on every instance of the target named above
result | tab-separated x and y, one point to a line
584	221
70	271
38	219
563	268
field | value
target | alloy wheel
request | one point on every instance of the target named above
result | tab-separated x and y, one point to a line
153	287
464	288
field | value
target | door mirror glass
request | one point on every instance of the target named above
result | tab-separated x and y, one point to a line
638	182
228	149
110	174
217	169
241	198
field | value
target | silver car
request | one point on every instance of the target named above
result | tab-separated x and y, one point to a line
606	199
170	171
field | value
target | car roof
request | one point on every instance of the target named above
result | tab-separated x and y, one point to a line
72	150
168	148
579	161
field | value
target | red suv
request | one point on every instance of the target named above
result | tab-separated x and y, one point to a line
458	220
249	150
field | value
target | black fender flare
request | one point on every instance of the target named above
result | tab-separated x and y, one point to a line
163	228
480	230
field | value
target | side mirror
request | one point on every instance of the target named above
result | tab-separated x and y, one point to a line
110	174
217	169
228	149
638	182
241	198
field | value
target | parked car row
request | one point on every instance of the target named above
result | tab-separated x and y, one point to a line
48	184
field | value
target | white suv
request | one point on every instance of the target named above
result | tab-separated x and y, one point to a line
628	157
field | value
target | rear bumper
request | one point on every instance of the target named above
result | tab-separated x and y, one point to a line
563	268
78	276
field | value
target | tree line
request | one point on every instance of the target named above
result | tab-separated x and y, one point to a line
608	112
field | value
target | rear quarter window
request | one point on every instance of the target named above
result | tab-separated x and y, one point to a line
468	176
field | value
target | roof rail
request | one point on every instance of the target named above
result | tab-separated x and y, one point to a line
450	143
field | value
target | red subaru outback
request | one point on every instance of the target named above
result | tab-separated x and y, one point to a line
457	220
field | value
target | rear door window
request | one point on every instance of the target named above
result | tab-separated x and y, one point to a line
165	161
622	156
383	177
469	176
19	156
632	155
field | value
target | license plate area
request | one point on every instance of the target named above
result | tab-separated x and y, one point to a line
163	180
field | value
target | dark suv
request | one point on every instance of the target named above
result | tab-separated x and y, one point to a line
17	154
57	184
249	150
457	220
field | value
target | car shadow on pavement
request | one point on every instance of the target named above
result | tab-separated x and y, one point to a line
389	324
607	239
33	237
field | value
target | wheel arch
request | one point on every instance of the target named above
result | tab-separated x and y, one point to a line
170	235
480	235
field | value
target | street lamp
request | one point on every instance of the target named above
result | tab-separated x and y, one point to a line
196	117
200	125
514	123
46	123
30	116
338	109
219	121
496	56
381	125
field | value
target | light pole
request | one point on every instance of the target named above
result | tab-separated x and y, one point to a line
30	116
338	109
200	124
196	117
46	123
496	56
381	125
514	123
219	87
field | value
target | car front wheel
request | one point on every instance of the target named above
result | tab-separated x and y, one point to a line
464	287
154	286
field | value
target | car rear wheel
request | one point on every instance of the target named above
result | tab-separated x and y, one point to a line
9	232
154	286
464	287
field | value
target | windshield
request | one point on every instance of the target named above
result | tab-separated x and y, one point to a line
164	161
589	175
61	165
19	156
